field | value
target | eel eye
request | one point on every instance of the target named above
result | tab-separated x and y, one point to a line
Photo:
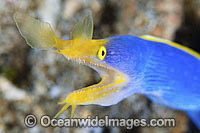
101	53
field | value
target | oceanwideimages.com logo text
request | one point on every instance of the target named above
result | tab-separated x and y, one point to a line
47	121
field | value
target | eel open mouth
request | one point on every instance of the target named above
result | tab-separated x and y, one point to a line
111	83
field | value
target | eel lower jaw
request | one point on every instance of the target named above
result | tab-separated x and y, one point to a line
112	81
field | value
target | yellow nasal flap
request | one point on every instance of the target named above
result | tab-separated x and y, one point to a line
37	34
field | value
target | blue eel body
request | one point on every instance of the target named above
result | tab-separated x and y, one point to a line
167	75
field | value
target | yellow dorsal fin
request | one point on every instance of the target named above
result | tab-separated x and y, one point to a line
173	44
83	29
37	34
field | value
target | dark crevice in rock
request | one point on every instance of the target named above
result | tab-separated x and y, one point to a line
108	18
189	32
